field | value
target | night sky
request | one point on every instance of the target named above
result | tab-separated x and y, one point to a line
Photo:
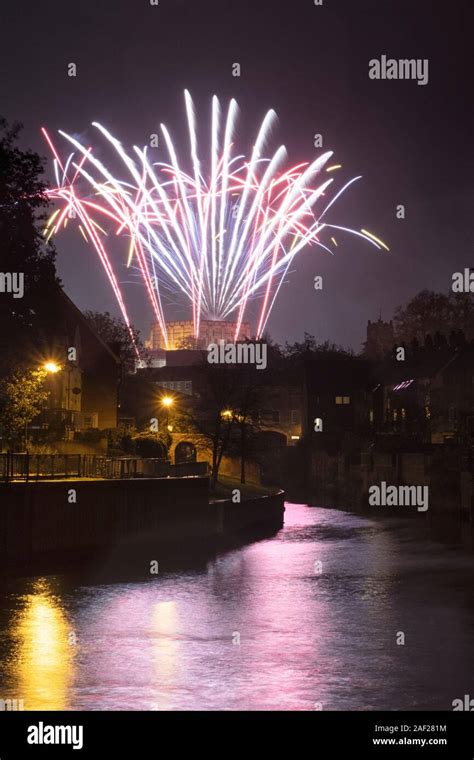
411	143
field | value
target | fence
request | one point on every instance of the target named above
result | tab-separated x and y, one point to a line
26	466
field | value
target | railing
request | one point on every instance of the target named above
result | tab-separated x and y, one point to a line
26	466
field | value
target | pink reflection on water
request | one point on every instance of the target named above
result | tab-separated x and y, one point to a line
308	618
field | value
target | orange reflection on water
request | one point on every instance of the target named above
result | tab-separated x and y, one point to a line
43	661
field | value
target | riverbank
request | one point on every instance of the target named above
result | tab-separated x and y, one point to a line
226	489
169	515
342	480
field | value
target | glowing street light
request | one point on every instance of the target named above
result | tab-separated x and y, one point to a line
51	367
167	402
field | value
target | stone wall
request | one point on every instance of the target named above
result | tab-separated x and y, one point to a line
337	481
38	519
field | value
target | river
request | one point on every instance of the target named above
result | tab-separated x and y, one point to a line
313	618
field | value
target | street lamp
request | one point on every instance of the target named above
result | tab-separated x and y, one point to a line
51	367
167	402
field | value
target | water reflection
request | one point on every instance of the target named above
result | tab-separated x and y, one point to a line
165	651
310	616
42	650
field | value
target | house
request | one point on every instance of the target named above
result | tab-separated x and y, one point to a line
84	383
336	395
429	394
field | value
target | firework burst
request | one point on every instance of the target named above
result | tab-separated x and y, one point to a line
223	232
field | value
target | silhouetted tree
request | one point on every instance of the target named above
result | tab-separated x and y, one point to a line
23	250
209	415
310	347
223	416
114	332
249	405
429	312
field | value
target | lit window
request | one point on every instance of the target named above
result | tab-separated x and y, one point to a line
346	399
338	399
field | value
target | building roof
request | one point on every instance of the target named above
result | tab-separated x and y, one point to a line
422	364
329	374
68	307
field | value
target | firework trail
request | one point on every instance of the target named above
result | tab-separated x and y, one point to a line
222	233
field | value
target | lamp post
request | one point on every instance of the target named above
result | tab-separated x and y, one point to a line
167	402
51	368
